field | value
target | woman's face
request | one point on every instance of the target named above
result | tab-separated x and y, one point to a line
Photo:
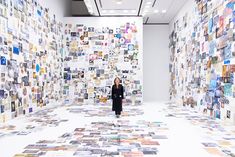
117	81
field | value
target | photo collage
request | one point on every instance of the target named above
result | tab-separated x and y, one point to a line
95	55
31	47
202	45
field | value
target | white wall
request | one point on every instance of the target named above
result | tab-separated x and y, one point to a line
156	63
187	8
60	8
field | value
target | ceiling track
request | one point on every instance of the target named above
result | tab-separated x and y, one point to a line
141	2
154	3
146	20
101	5
97	7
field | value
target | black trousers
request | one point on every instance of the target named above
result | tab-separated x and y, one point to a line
118	112
117	106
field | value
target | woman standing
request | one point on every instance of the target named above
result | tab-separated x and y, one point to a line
117	96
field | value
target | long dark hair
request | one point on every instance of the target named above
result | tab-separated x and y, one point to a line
115	81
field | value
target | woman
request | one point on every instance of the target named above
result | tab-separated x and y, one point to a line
117	96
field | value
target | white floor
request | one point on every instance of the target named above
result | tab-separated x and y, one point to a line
184	137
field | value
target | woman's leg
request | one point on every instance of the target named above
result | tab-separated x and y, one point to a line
119	112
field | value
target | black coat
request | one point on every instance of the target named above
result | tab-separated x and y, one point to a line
117	96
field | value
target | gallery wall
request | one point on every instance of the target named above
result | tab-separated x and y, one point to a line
37	61
31	49
187	8
61	8
98	49
202	57
33	57
156	63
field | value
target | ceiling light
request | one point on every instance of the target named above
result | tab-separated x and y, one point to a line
133	11
104	11
119	1
149	3
146	10
125	11
89	6
147	6
111	11
145	13
156	11
163	11
90	10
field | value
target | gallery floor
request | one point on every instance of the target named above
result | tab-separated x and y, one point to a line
153	129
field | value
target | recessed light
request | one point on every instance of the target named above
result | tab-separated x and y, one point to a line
133	11
146	10
104	11
125	11
156	11
163	11
145	13
111	11
119	1
89	6
147	6
90	10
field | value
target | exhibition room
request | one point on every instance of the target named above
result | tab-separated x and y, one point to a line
117	78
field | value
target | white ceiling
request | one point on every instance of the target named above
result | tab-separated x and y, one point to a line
151	10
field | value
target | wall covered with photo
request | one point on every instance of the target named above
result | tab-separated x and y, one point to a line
202	45
31	57
98	49
44	59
